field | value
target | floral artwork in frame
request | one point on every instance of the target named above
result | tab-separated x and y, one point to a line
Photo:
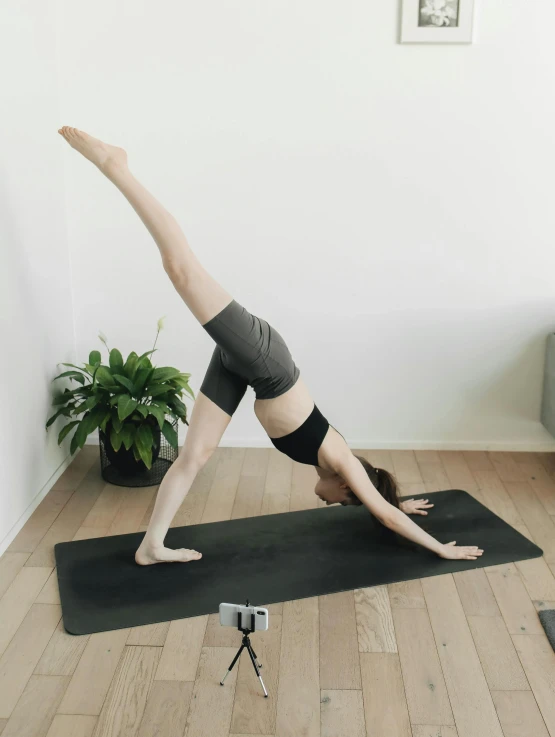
437	21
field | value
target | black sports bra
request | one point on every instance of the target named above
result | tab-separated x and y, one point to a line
302	444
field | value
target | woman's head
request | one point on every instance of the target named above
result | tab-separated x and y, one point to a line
334	490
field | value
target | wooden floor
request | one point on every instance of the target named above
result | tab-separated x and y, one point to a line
459	655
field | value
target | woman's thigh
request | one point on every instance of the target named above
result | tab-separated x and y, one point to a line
207	425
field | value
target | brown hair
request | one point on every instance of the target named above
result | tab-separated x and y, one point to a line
383	481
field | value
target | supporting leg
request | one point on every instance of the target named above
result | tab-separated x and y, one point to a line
253	659
235	659
206	427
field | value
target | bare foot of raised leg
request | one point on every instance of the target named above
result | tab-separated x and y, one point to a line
102	155
147	555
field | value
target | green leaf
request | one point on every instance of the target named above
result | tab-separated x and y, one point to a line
95	358
72	365
81	433
146	456
141	378
143	359
136	453
104	377
131	365
143	409
177	404
143	436
165	373
170	434
159	413
128	435
115	399
104	420
66	396
124	381
92	401
126	406
157	390
65	430
116	439
66	411
116	422
75	376
116	360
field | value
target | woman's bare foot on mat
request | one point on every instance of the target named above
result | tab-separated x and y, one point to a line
101	154
147	555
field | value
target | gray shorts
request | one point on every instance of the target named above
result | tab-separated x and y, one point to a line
248	352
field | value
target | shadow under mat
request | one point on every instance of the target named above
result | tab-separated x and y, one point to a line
268	559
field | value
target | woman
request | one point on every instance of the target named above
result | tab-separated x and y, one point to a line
248	352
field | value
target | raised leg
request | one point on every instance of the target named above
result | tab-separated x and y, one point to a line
206	427
203	295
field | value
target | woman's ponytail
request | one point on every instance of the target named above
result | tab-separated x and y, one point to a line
384	482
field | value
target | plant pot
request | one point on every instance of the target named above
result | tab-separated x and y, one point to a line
123	460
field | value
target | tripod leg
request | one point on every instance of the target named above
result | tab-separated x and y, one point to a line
256	658
253	658
235	659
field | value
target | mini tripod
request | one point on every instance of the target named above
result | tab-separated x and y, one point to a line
246	644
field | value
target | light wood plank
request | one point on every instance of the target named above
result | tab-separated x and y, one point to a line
250	491
18	599
506	466
72	725
426	692
537	578
277	488
477	460
496	497
70	518
426	730
538	659
218	636
385	706
543	485
23	653
211	704
298	701
519	714
406	595
542	605
166	710
39	522
62	654
129	516
342	714
221	496
3	723
92	677
433	474
533	514
107	505
37	706
125	703
181	652
376	633
89	533
475	593
10	565
339	660
83	461
459	474
50	593
406	467
513	600
252	712
303	480
153	635
473	709
497	654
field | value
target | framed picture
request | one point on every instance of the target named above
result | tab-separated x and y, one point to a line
437	21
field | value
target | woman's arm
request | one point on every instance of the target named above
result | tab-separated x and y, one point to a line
352	471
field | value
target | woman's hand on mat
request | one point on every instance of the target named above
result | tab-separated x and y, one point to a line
451	551
415	506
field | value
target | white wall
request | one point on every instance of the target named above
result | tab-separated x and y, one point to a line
36	320
388	207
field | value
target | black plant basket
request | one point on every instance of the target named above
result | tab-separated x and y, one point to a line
121	469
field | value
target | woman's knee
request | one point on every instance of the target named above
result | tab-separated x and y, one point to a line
195	456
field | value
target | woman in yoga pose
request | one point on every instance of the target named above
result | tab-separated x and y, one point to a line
248	352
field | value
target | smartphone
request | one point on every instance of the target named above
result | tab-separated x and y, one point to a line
229	616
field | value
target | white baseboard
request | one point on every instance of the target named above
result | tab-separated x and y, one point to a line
12	534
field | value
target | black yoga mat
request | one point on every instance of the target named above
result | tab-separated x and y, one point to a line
268	559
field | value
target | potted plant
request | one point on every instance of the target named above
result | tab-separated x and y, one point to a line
127	401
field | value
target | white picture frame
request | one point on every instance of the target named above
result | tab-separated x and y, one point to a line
432	21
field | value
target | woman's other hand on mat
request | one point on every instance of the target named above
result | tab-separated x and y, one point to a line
415	506
452	551
148	555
